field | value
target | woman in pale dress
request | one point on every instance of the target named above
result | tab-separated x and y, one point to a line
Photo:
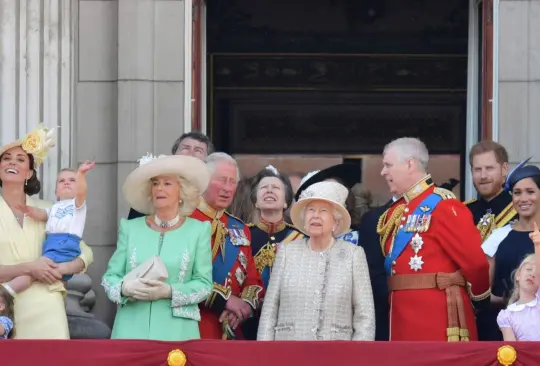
320	287
40	310
167	189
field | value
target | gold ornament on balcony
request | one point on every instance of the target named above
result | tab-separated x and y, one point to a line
176	358
506	355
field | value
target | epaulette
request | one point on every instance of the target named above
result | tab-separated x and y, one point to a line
291	226
444	193
468	202
248	225
234	217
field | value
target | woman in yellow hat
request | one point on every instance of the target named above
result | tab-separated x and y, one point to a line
40	310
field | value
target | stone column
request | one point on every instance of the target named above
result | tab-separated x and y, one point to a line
130	100
519	78
96	135
36	78
151	74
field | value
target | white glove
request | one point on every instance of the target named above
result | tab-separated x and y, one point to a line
129	288
152	290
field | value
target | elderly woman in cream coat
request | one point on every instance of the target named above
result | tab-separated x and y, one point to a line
320	287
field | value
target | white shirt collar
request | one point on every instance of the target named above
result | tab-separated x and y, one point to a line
518	307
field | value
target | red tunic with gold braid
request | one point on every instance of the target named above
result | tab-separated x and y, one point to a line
440	270
242	278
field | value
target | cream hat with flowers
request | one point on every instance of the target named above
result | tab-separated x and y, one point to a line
137	186
37	143
331	192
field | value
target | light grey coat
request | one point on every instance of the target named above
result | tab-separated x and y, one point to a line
318	295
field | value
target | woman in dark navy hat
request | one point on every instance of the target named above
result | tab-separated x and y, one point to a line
346	174
507	246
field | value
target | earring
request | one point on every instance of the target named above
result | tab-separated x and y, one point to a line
26	182
285	206
180	200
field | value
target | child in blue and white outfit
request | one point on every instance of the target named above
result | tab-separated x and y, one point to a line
65	222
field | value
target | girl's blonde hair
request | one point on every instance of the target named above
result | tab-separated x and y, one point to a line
515	290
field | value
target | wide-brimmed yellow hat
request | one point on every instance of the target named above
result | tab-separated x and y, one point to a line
137	186
331	192
37	143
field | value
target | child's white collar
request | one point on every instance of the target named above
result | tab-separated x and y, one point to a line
518	307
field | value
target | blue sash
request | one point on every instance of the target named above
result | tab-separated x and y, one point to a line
222	267
351	237
265	276
402	237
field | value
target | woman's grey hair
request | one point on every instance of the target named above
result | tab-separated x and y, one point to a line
189	196
410	148
338	216
220	157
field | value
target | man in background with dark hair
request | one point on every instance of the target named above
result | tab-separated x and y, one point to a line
195	144
489	168
493	209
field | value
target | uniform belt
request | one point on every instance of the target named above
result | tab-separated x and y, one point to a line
450	283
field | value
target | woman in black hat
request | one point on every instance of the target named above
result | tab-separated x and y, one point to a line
507	246
346	174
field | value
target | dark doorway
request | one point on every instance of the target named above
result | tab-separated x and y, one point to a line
339	77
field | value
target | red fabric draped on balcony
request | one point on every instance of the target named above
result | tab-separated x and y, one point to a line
237	353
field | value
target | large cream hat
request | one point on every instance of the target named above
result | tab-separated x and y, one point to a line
137	186
37	143
331	192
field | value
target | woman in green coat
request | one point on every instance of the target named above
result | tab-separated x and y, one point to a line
167	189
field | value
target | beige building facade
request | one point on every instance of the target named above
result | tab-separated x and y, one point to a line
116	77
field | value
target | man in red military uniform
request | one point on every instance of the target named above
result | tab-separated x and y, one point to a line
238	288
433	252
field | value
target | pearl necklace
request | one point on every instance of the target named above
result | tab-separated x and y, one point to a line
166	224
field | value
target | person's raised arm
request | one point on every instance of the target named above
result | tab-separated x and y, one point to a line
535	237
81	185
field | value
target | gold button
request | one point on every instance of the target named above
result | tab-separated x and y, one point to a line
272	238
403	218
394	263
406	209
401	226
393	272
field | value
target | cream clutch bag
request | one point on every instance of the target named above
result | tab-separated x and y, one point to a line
151	269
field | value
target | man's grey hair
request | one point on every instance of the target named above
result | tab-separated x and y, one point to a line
220	157
410	148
